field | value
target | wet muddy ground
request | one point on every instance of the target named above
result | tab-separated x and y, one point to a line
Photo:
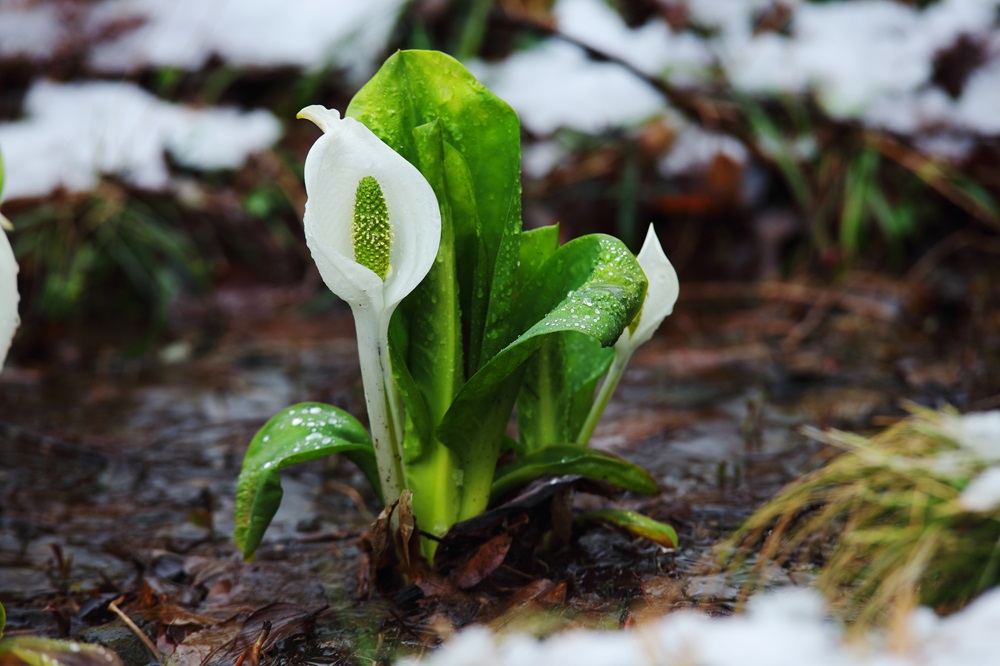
117	476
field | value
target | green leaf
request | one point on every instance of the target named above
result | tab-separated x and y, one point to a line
415	88
636	523
34	651
559	382
536	246
558	389
592	285
562	459
3	620
302	432
433	317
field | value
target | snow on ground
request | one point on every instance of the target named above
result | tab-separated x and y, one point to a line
186	33
867	59
653	48
867	56
74	133
784	628
978	435
33	31
264	33
851	53
555	86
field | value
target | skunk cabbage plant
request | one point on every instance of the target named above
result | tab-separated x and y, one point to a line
414	220
373	227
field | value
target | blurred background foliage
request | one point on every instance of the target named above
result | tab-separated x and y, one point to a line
815	195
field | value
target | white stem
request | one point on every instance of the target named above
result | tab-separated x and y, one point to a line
384	417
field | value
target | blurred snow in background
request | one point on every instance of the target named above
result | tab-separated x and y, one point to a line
252	33
75	132
127	35
872	61
785	628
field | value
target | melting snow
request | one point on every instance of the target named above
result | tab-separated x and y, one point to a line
186	33
785	628
74	133
978	433
556	86
304	33
31	32
983	492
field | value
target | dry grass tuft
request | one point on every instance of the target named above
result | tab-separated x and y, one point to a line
886	521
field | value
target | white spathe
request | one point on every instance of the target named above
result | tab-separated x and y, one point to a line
8	295
660	295
347	152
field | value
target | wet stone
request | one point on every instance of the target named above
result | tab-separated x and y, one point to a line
118	637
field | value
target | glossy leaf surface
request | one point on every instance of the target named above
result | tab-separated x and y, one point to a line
636	523
563	459
34	651
302	432
592	286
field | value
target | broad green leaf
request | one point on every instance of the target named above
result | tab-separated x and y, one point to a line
536	246
433	317
562	459
414	88
542	411
302	432
559	382
541	380
34	651
419	425
558	389
592	285
636	523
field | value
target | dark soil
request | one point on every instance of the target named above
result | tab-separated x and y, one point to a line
117	476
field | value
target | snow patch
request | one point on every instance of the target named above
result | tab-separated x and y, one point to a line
694	149
555	86
983	492
75	133
653	49
977	432
262	33
33	32
786	628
